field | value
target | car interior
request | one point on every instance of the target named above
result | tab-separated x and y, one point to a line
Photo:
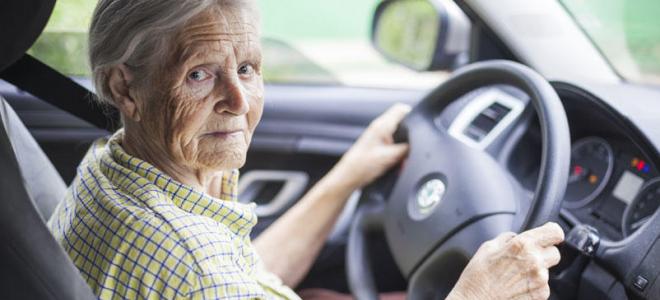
522	133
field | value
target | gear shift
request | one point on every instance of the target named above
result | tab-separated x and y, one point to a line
585	240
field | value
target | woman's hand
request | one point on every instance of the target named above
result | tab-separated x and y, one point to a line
375	151
511	266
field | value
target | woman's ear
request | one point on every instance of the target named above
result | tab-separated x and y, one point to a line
119	83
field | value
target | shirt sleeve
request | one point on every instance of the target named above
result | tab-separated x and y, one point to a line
231	283
223	277
273	285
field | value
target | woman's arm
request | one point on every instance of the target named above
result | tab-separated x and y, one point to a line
290	245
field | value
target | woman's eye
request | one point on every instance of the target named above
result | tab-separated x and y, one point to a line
198	75
246	69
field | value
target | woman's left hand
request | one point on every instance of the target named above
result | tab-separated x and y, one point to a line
375	151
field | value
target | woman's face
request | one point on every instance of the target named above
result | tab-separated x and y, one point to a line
208	98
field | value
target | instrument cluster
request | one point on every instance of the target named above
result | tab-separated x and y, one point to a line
612	184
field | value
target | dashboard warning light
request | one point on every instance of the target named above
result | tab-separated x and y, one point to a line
593	179
640	165
634	162
646	169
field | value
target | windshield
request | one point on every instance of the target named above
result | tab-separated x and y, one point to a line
627	32
304	42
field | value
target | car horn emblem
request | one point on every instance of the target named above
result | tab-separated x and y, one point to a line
429	195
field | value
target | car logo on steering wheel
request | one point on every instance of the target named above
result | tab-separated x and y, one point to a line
429	195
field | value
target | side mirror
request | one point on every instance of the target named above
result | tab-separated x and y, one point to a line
424	35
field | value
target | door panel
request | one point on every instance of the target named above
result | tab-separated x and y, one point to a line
273	191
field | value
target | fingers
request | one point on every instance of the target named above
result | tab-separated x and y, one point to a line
519	262
515	266
551	256
391	118
499	241
397	112
547	235
395	153
504	237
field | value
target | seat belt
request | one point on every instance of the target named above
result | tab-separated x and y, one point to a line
31	75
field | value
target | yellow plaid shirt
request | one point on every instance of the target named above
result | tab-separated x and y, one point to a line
135	233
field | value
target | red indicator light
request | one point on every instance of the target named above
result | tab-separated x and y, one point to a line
577	170
640	165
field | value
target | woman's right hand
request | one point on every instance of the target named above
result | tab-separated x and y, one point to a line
511	266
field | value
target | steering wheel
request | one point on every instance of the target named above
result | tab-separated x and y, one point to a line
449	197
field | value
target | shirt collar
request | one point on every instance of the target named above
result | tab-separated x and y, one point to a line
187	198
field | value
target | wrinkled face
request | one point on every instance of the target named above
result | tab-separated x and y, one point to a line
208	96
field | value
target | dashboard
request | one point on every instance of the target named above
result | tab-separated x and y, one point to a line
614	182
612	186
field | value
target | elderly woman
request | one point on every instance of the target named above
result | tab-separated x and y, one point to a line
153	211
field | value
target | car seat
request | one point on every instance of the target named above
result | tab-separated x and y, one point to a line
32	263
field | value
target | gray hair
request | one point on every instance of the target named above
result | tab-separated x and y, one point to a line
137	33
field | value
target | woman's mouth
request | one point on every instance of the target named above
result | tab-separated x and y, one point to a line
225	134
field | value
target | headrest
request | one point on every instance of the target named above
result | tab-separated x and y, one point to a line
21	23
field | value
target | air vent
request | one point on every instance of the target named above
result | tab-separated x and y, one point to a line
486	116
485	121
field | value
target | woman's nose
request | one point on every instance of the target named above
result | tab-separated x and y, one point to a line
234	101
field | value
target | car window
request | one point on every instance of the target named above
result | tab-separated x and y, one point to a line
63	44
626	31
304	42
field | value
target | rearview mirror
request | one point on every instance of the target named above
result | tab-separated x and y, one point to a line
424	35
